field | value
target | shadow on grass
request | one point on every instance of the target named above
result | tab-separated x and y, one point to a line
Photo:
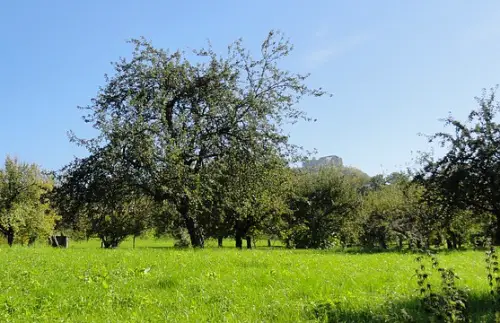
361	250
161	247
480	309
210	248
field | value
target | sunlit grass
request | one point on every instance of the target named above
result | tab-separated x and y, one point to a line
155	282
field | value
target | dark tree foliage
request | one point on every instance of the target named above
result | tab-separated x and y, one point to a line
467	177
91	197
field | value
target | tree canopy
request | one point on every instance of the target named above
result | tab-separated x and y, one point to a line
468	175
25	212
165	122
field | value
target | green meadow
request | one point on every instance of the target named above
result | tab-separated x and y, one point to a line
155	282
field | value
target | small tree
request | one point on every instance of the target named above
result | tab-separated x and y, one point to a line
325	207
24	210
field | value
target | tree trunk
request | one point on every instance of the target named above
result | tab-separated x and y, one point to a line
219	242
449	243
383	243
419	244
249	242
133	242
195	233
10	237
497	232
31	241
427	243
269	243
239	240
400	242
109	243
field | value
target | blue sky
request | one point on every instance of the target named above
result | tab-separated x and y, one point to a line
394	67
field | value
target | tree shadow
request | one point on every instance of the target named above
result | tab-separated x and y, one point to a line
360	250
162	247
481	308
364	250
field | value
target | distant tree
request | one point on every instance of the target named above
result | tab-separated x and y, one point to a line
25	212
468	175
166	120
383	209
325	208
394	211
253	195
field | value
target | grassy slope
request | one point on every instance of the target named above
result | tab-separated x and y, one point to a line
154	283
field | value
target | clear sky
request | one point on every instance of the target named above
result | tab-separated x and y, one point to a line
394	67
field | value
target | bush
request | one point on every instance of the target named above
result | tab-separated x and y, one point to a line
182	239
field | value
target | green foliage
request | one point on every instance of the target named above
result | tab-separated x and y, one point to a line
168	125
92	199
383	209
251	197
25	213
393	211
467	176
181	238
325	208
450	304
493	270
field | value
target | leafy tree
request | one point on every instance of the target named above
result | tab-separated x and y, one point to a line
394	210
325	208
254	195
447	221
383	209
166	120
90	194
25	212
468	175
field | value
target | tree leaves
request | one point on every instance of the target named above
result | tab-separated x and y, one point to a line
168	124
468	175
24	210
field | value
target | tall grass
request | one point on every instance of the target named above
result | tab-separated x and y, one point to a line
155	282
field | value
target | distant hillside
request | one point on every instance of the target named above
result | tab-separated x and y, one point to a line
331	160
335	161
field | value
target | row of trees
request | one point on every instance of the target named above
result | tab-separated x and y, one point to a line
198	149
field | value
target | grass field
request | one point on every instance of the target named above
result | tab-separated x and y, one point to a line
157	283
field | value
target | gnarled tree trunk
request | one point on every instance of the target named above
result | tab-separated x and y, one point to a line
194	231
